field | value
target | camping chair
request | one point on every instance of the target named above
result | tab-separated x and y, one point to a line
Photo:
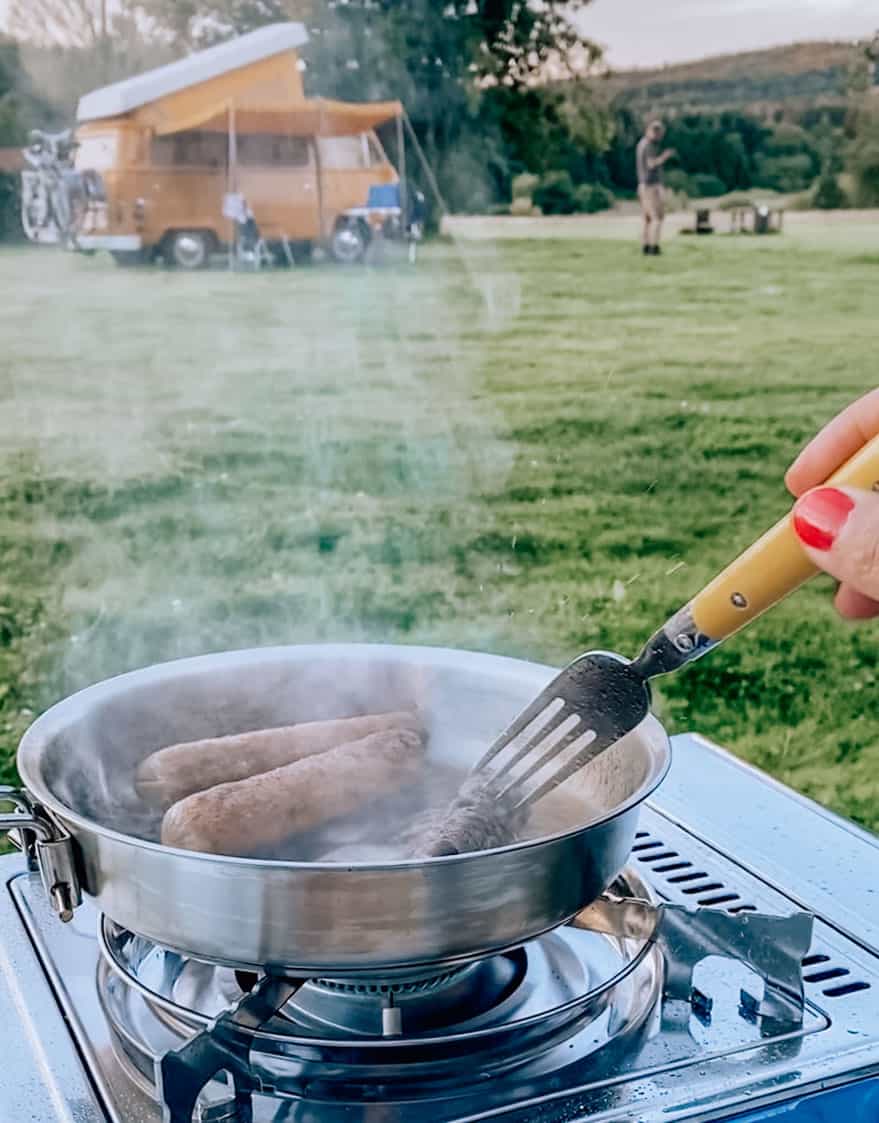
251	248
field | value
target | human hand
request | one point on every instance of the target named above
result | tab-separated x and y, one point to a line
840	526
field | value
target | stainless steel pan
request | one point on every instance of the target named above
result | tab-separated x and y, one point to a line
83	818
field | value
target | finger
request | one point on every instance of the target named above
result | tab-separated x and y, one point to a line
839	527
835	444
854	605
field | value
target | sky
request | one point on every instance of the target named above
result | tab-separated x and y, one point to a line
653	32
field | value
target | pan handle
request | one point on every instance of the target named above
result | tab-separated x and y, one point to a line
24	815
50	848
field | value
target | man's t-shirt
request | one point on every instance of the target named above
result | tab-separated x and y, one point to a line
648	150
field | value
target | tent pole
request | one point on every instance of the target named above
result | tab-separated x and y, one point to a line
401	160
233	180
425	163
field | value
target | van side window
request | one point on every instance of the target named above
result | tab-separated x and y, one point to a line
266	150
97	153
343	153
193	149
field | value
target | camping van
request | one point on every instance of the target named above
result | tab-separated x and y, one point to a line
179	151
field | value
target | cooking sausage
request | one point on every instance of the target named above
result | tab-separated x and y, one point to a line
175	772
476	820
258	814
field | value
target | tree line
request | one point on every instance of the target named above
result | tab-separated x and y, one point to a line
495	89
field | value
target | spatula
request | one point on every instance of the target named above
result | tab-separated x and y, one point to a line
600	697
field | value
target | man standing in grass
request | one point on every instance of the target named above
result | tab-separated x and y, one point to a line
651	160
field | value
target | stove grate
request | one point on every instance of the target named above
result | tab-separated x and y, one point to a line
696	883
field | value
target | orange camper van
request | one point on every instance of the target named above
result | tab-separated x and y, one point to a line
174	151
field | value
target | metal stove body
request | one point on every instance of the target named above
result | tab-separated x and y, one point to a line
718	835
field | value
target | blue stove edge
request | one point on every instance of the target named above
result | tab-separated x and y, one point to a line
854	1103
830	868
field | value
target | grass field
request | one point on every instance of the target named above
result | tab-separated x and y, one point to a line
531	446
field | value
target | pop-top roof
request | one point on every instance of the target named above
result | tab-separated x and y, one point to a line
124	97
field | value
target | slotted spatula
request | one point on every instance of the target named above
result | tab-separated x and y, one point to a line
600	697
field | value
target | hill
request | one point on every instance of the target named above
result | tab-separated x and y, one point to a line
795	77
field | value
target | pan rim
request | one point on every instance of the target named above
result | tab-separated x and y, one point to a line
657	748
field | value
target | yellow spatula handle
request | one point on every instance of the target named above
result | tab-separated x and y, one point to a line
773	567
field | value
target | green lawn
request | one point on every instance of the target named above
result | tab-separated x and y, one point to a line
532	447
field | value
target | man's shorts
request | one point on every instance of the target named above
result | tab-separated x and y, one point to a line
652	196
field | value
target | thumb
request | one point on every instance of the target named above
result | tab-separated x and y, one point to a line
840	529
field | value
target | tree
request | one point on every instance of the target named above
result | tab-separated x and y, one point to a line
864	160
68	23
511	42
861	76
70	46
862	124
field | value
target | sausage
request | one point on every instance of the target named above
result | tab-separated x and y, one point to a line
476	820
258	814
175	772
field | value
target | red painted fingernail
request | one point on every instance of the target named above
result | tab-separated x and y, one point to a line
820	516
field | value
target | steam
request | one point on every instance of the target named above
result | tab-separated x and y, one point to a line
239	460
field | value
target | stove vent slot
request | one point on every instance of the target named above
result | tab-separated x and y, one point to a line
683	875
845	988
720	899
823	976
708	887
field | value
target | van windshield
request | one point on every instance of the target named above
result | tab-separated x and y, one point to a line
350	152
97	153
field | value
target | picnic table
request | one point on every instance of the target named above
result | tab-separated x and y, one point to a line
756	218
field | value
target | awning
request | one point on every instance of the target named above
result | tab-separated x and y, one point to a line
312	117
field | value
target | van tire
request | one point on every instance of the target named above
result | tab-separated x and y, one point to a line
349	243
188	249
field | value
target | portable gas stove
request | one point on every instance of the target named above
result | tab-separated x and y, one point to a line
100	1025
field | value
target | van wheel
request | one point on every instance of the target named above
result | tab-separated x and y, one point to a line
349	243
188	249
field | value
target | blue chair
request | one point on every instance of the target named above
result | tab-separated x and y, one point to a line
384	196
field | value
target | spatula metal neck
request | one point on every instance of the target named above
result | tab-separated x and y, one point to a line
677	643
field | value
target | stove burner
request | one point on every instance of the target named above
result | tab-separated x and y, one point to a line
432	1002
390	986
343	1038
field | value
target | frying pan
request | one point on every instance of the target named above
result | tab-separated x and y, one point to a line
87	831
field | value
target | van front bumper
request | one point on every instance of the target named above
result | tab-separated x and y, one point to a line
115	243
